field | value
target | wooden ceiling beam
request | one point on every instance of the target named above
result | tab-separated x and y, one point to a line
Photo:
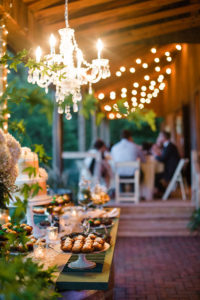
18	37
148	32
114	24
129	10
41	9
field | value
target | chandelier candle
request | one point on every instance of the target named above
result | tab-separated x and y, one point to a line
68	70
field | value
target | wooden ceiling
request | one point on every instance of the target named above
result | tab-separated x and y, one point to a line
128	28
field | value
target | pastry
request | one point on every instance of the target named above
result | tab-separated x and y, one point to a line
99	240
76	248
87	249
92	236
97	246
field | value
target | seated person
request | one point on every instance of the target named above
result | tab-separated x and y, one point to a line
126	150
170	157
99	168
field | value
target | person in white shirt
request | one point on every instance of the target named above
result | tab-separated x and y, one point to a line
126	150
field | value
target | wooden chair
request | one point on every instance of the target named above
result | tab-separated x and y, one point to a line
126	196
177	179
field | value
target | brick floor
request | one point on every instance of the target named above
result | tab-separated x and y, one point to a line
166	268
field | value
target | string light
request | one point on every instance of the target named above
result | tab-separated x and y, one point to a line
148	101
101	96
134	92
111	116
168	71
157	69
133	99
145	65
162	86
107	107
155	94
142	100
123	95
169	58
178	47
153	50
138	61
149	96
157	60
118	116
122	69
118	74
143	94
135	104
124	90
153	82
141	106
132	70
144	88
167	53
136	84
146	77
151	87
112	95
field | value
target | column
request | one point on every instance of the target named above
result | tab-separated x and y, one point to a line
94	129
81	130
57	129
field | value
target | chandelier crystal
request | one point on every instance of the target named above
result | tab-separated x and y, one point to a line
68	70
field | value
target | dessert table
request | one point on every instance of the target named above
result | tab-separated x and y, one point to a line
70	281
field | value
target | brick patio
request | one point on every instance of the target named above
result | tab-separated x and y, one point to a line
157	268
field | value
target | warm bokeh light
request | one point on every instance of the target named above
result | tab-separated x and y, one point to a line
178	47
134	99
122	69
111	116
101	96
147	77
141	106
118	116
143	94
132	70
107	107
157	60
138	61
112	95
38	54
134	92
144	88
142	100
123	95
149	96
136	84
168	71
153	82
153	50
118	73
145	65
124	90
157	69
169	58
167	53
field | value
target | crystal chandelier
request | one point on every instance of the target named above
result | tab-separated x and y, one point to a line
68	70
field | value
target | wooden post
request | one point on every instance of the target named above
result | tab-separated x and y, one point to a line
3	70
81	130
94	129
57	141
107	133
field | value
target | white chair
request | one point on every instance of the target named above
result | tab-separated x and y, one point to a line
125	196
195	178
177	179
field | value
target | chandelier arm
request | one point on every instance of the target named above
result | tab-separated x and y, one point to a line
66	14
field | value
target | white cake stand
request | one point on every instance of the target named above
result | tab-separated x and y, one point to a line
82	262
